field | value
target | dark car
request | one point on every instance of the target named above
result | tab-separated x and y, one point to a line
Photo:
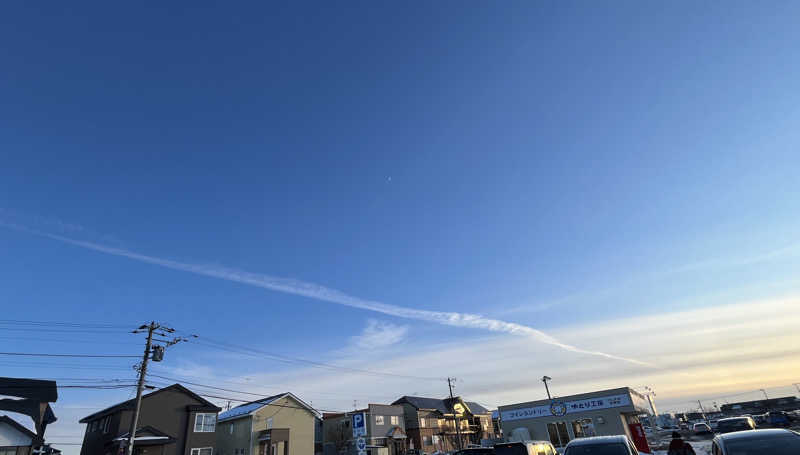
778	419
732	424
475	451
757	442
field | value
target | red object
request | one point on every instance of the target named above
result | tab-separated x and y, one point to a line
639	438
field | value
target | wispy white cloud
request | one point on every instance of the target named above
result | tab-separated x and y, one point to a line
319	292
379	334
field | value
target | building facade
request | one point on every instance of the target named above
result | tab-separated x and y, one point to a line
604	413
15	439
385	427
278	425
172	421
431	423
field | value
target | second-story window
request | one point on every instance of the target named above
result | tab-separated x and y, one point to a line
204	423
395	420
106	424
378	420
422	423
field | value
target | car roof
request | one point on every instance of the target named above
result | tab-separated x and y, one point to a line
599	440
527	441
756	434
730	419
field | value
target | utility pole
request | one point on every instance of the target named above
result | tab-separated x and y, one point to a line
547	389
702	411
156	354
455	416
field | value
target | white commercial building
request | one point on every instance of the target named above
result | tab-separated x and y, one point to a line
603	413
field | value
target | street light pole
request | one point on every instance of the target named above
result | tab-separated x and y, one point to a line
545	379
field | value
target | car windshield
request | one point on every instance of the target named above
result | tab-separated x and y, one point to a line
598	449
782	445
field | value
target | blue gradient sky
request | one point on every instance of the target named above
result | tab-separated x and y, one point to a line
554	164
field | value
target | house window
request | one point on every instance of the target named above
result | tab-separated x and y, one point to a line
106	424
204	423
395	420
203	451
269	423
378	420
435	439
427	440
421	422
230	430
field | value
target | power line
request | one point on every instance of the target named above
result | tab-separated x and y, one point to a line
239	400
97	356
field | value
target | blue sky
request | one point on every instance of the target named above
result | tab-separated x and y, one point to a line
549	164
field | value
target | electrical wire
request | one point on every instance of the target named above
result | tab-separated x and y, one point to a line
85	356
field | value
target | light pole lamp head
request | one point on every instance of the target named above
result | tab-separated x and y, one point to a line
546	378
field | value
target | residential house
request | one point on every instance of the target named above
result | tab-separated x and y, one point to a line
15	439
172	421
431	423
385	428
277	425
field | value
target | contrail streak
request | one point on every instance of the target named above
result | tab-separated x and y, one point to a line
319	292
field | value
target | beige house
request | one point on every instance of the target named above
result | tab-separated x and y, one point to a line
277	425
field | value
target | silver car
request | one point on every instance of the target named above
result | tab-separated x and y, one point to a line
757	442
602	445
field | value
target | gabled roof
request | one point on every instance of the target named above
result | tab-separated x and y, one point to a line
424	403
17	426
475	408
247	409
129	404
442	405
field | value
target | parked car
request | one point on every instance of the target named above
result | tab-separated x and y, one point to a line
475	451
701	428
767	442
602	445
525	448
732	424
778	419
713	424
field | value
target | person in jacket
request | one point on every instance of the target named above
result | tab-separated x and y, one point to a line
678	446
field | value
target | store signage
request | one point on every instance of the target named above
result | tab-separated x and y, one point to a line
560	408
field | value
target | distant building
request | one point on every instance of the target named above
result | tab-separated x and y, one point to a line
278	425
385	427
431	423
761	406
172	421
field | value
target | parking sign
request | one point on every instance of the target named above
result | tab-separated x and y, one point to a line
359	425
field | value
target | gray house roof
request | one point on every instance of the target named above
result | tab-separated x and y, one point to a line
440	405
248	408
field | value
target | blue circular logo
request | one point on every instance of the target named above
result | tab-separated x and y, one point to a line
558	408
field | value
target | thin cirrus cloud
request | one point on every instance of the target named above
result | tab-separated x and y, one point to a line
326	294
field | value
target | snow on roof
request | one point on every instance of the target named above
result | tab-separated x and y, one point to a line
247	408
142	438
